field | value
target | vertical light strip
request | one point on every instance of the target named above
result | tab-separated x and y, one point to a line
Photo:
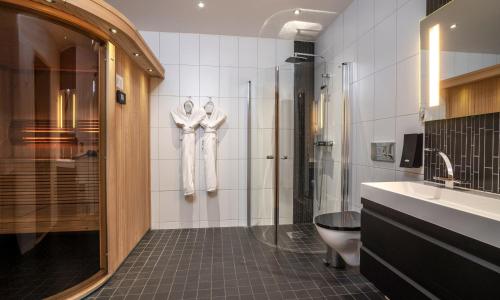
434	65
59	111
74	110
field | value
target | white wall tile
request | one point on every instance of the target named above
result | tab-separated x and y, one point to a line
383	8
266	53
155	210
169	48
365	16
244	76
153	140
153	110
228	51
365	55
168	143
230	106
350	24
167	104
408	28
385	43
209	50
228	82
189	80
364	99
170	85
228	144
227	171
209	81
154	176
152	39
189	49
408	89
247	53
170	178
385	93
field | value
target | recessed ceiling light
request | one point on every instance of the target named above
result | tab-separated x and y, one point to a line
453	26
201	4
113	31
296	12
50	1
136	54
150	70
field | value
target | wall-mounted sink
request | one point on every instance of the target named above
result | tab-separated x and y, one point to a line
473	214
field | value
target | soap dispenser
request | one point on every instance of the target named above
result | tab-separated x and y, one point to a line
412	151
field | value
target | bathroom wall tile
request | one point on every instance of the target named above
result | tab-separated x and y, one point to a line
209	81
168	143
244	76
155	210
153	110
169	48
170	178
364	99
174	207
228	144
350	24
228	82
362	143
385	93
408	28
152	39
266	53
242	207
383	9
365	16
383	175
247	52
189	49
228	51
226	172
189	80
408	90
385	43
170	85
365	55
230	106
153	143
155	174
209	50
166	105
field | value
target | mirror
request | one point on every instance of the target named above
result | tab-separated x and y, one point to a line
460	60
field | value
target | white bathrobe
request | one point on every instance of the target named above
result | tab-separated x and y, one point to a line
188	123
209	145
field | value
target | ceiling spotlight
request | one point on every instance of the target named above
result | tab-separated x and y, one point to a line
136	54
50	1
113	30
296	12
150	70
201	4
453	26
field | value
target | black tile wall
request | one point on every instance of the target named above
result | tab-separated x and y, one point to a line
472	144
433	5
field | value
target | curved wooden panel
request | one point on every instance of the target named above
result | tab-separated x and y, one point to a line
98	17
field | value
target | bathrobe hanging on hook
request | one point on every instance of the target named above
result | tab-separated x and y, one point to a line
188	121
213	120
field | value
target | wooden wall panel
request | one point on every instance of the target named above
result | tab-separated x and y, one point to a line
475	98
128	160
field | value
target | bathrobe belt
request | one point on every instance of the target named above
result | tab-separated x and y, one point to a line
210	130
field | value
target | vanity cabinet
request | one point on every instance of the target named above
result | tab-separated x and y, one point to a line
408	258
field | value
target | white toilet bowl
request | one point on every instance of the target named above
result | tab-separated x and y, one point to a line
342	233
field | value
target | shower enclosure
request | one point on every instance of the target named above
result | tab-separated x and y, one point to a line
295	126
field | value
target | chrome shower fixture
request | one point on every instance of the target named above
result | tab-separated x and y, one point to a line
299	57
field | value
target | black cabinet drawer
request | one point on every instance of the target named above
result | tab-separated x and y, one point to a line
443	270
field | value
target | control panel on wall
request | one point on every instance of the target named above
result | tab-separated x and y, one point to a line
121	97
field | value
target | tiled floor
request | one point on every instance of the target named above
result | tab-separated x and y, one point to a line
300	238
227	263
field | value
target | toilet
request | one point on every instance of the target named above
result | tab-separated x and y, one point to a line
341	232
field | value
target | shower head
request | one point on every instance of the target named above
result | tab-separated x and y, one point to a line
295	59
298	58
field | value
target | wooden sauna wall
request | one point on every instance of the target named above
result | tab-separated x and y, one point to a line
474	98
128	178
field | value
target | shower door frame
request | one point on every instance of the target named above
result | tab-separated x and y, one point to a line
276	156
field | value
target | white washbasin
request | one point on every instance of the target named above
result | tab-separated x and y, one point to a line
473	214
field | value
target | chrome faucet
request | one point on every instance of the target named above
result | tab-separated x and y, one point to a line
449	180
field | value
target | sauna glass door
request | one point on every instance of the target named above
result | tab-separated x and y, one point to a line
50	157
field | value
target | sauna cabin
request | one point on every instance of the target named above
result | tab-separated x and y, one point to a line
74	145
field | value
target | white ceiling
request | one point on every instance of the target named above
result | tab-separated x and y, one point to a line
227	17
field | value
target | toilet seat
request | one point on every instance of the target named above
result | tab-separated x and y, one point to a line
342	221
